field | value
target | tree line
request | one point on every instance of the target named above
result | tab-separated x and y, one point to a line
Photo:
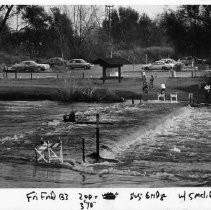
83	32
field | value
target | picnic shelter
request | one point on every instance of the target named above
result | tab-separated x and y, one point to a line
111	67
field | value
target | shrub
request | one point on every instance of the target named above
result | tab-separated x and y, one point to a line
178	67
138	55
71	90
67	89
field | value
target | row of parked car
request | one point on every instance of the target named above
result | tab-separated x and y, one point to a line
163	64
168	64
34	66
72	64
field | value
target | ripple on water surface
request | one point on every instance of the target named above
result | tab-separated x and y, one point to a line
155	145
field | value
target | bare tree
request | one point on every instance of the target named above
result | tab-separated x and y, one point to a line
5	11
85	20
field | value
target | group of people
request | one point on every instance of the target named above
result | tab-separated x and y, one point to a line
146	87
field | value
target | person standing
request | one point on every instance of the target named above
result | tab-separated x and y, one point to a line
207	90
151	81
144	76
145	87
4	71
163	88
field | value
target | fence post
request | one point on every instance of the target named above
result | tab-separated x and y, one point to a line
83	149
97	137
192	74
190	98
140	99
83	74
200	85
132	100
31	75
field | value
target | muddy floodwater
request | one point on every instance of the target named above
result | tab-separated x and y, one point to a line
156	145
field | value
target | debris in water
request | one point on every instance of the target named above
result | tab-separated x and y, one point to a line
175	149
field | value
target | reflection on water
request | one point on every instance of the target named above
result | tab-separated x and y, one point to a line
155	145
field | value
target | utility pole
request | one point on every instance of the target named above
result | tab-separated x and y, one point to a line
80	22
146	58
109	9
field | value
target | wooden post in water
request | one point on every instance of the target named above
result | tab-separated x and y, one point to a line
119	74
49	155
97	137
83	150
36	156
132	100
61	152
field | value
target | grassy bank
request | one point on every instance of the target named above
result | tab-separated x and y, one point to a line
66	90
94	90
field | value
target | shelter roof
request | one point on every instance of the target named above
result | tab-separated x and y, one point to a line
111	62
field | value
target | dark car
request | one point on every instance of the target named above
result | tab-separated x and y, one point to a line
79	63
29	66
192	59
57	61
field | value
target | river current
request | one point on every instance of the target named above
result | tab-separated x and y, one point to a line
155	145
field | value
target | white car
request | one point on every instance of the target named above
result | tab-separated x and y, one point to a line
79	63
172	62
169	61
157	65
30	66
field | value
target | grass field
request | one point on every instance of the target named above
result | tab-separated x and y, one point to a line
84	85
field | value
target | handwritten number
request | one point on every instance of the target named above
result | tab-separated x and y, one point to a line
63	196
80	196
82	205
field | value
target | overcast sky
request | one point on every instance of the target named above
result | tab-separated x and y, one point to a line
153	10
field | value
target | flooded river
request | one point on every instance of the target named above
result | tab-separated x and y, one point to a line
156	145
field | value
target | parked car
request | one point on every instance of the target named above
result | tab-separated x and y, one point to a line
30	66
79	63
57	61
174	64
157	65
169	61
192	59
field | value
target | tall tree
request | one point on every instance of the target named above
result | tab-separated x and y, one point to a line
35	33
5	11
129	21
189	30
85	22
61	27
